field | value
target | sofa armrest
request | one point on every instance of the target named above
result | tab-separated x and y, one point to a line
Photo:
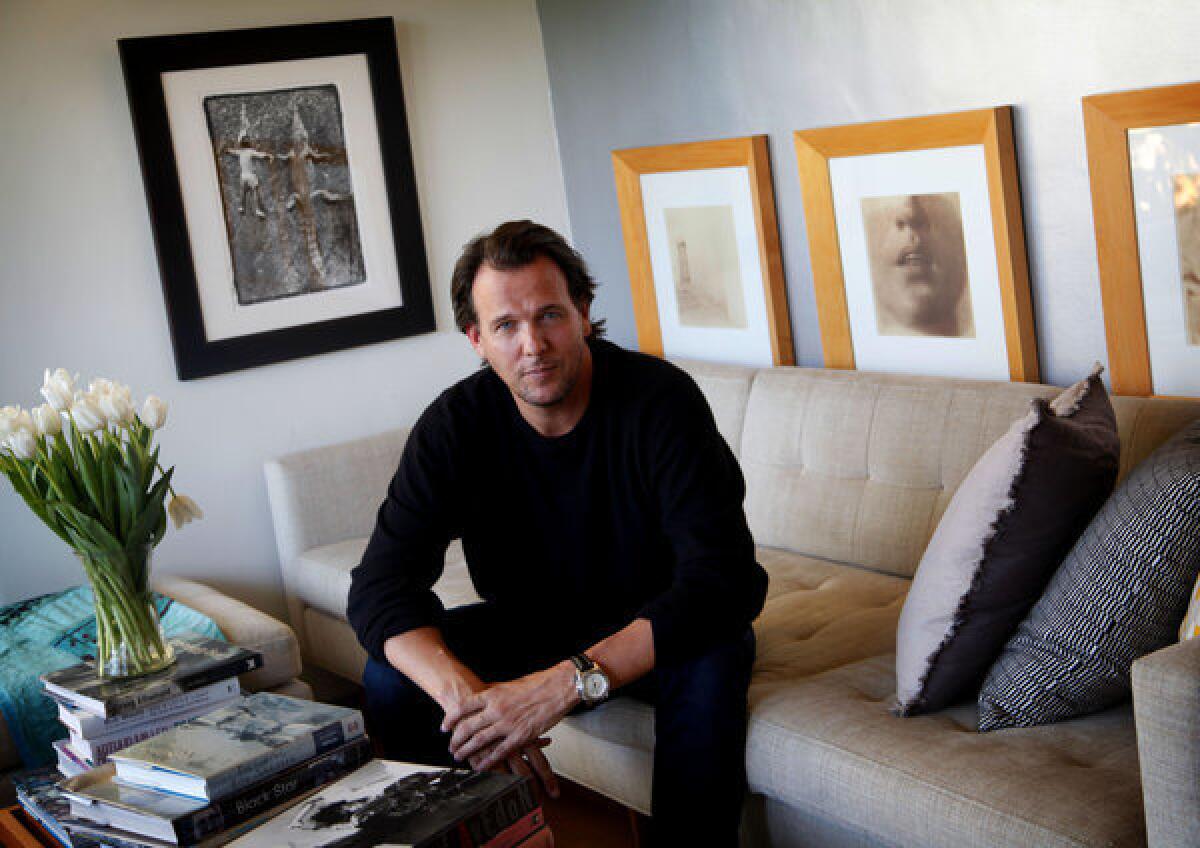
331	493
1166	705
242	625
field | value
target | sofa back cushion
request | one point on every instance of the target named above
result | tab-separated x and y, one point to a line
857	467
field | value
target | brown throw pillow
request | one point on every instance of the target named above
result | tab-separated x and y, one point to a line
1007	528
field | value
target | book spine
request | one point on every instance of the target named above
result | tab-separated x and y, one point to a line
483	824
97	749
89	725
320	741
250	802
519	831
129	702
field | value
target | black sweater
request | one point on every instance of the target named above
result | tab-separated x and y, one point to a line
637	512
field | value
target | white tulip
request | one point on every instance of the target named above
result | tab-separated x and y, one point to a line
23	423
8	421
116	404
23	444
154	412
100	385
48	420
58	388
183	509
87	413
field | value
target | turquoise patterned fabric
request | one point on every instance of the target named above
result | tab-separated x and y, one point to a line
56	631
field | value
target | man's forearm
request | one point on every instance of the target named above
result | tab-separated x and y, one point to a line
421	655
625	656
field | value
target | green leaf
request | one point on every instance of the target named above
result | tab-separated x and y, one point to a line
88	471
90	529
143	529
151	465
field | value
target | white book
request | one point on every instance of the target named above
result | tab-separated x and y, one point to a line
88	725
97	748
218	753
69	763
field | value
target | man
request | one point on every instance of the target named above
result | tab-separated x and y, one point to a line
600	513
918	265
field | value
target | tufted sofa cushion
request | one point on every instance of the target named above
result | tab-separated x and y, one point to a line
821	736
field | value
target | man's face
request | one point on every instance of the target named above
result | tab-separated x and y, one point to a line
916	281
529	331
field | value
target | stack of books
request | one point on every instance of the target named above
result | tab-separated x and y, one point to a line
210	779
104	716
262	769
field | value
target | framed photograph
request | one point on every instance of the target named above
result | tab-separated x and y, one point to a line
280	185
703	251
1144	158
918	247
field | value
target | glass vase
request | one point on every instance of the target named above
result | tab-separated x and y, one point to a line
129	636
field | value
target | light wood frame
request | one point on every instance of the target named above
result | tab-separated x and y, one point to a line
990	127
750	152
1107	119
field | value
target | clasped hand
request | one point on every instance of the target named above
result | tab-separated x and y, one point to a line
504	724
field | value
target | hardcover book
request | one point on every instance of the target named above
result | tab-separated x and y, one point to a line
38	794
69	762
394	804
187	705
216	754
183	821
199	661
97	748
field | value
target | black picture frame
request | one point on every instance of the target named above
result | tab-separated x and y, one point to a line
144	60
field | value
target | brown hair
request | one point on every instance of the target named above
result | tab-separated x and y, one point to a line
512	245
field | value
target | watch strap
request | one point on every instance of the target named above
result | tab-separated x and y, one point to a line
583	662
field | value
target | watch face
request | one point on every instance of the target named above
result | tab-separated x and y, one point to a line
595	686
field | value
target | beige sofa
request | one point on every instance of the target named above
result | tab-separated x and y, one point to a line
847	476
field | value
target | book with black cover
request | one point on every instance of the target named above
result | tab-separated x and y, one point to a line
216	754
199	661
183	821
391	803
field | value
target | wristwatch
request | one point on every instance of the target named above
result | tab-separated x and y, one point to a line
590	680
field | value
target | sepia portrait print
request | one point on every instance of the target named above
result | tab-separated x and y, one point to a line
704	264
286	194
918	265
1187	229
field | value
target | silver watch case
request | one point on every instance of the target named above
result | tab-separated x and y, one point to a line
591	685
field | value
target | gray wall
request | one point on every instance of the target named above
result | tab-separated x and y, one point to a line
628	73
80	287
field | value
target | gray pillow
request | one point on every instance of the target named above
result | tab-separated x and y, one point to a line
1120	594
1008	526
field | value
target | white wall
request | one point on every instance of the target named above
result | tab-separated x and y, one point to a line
79	286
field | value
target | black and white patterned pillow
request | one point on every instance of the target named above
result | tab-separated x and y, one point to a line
1119	595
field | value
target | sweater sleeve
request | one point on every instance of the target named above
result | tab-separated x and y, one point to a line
717	588
391	590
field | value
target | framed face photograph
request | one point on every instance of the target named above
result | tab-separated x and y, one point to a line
1144	159
280	184
703	251
917	246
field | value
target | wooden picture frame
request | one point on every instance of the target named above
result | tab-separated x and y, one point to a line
773	341
1108	120
320	248
818	149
